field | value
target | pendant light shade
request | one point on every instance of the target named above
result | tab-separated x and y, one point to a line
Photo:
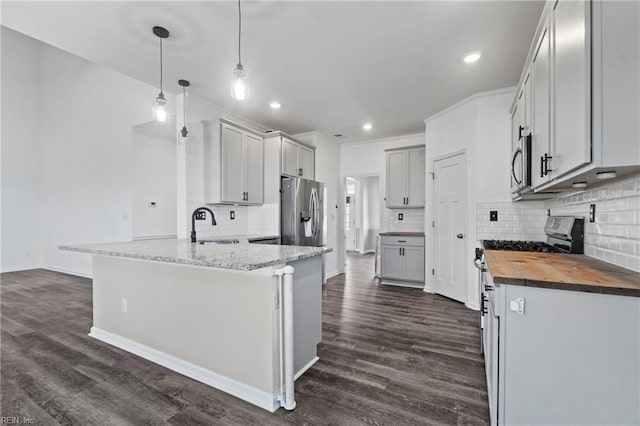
160	112
240	79
184	133
240	84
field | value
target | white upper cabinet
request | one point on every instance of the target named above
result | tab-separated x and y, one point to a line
234	164
585	93
405	178
571	64
297	159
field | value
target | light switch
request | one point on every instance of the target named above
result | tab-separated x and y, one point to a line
517	305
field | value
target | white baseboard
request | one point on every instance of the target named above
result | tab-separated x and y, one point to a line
245	392
335	274
473	306
19	269
402	283
67	271
305	368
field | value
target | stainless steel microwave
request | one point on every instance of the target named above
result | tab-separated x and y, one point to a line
521	166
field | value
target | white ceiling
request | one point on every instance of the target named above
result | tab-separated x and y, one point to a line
332	65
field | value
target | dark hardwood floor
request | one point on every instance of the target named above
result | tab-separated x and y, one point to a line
389	356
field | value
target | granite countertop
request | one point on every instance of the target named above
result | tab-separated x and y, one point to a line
403	234
241	257
574	272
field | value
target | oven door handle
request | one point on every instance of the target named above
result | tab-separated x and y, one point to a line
478	265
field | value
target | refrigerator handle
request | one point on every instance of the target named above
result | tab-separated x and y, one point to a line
314	202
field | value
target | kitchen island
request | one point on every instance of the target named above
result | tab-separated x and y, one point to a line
243	318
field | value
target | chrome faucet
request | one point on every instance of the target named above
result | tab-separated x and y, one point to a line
193	220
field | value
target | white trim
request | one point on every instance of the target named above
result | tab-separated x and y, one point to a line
67	271
305	368
382	140
335	273
472	305
397	283
468	99
240	390
23	268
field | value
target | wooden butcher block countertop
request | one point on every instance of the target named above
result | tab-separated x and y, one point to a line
561	271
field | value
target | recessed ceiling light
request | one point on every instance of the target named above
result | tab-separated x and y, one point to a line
367	126
579	184
275	105
472	57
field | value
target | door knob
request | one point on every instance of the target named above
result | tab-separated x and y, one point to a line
460	236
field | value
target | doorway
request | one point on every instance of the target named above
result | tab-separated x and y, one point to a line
154	183
362	213
450	226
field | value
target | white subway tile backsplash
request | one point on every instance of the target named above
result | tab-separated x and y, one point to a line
614	237
412	221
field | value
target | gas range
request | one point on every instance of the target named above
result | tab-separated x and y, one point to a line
533	246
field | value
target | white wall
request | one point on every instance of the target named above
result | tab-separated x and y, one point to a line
21	168
86	113
367	158
328	162
154	180
479	125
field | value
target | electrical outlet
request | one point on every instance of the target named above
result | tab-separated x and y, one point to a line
400	216
123	305
493	215
232	215
201	215
592	213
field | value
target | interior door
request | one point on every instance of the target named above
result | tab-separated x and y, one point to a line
417	177
232	164
396	179
254	157
450	230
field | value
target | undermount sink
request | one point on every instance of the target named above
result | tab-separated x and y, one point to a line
220	241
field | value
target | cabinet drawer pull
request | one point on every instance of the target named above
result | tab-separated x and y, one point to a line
402	241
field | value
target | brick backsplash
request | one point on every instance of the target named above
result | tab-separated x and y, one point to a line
615	235
412	220
516	221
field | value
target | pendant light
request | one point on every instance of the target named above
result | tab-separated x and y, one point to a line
160	107
184	133
240	80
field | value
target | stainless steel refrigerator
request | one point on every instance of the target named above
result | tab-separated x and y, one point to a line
301	212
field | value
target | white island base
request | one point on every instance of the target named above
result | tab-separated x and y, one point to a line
219	326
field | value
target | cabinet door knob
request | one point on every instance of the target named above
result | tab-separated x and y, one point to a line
460	236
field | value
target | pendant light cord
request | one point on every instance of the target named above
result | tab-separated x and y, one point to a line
184	106
160	64
239	32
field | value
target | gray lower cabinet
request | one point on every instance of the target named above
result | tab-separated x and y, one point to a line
570	357
402	261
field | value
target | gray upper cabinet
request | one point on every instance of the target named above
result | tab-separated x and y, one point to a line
585	93
405	178
297	159
234	164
